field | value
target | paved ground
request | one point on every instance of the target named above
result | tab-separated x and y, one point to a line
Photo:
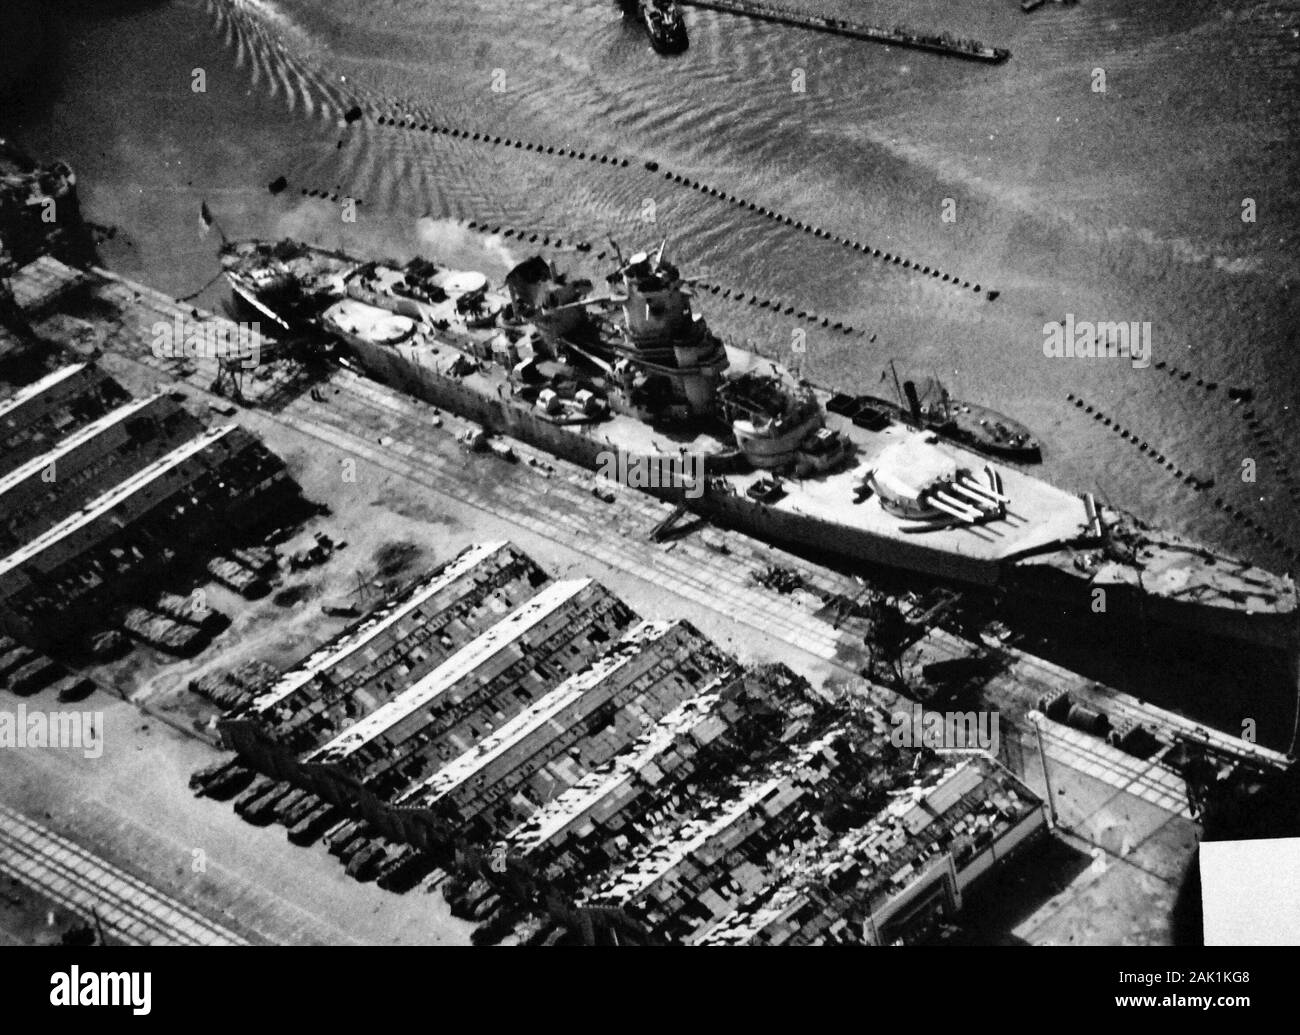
1124	845
132	808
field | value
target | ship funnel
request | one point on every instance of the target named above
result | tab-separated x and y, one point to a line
913	401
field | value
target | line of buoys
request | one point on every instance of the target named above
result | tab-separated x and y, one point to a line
777	306
1253	526
1269	448
1207	386
539	237
819	232
1195	481
1239	394
325	195
406	122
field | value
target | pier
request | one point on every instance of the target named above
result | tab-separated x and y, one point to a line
896	36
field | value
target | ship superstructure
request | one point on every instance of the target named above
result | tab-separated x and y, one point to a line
780	425
658	357
665	350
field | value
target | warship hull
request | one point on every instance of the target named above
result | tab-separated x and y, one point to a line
1050	580
246	299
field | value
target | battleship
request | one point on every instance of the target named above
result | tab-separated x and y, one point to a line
663	22
639	372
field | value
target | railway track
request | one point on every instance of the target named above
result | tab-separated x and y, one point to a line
131	911
567	513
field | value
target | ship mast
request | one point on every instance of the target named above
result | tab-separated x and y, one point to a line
943	399
898	389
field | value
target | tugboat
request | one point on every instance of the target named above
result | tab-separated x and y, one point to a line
662	20
927	404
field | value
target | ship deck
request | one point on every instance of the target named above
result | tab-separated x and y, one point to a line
1184	572
1039	518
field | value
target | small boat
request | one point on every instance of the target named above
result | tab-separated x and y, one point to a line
663	21
926	403
986	430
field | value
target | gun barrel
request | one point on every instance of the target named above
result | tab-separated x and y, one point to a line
954	507
975	499
973	487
